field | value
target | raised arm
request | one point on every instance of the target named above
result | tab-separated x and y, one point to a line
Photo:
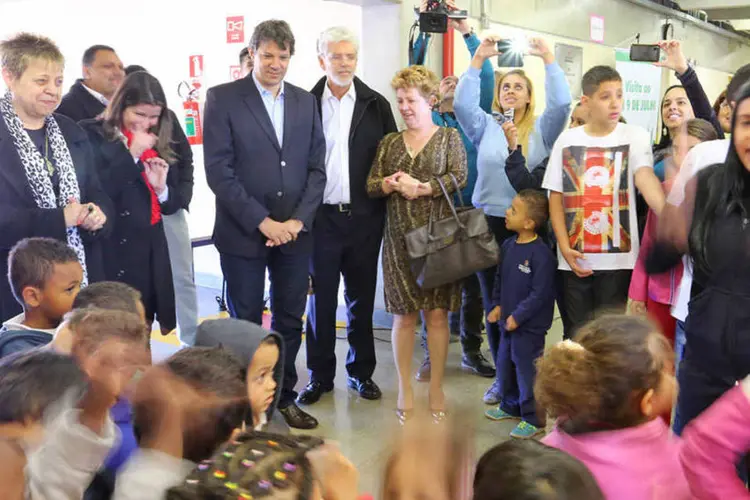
467	103
487	73
677	62
557	106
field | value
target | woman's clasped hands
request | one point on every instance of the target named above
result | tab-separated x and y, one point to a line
406	185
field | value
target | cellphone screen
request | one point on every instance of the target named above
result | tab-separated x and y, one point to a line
508	57
645	53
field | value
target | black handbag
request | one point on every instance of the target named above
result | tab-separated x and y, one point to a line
448	250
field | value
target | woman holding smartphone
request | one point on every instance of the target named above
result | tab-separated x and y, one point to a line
132	154
535	137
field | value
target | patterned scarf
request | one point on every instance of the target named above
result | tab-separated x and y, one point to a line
37	174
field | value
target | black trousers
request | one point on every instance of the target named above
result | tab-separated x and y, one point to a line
345	245
602	292
245	289
487	283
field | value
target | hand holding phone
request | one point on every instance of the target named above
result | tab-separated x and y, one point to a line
645	53
511	53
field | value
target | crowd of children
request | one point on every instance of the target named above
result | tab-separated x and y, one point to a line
84	413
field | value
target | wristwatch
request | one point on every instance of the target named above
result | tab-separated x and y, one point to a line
467	35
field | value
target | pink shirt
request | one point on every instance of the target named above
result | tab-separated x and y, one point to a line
661	288
714	442
637	463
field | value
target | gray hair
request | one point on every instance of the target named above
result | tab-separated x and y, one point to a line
334	35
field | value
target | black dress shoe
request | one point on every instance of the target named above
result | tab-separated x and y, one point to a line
312	393
367	389
298	419
478	364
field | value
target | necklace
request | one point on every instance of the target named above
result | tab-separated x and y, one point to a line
47	162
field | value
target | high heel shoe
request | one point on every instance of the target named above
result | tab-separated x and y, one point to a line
404	416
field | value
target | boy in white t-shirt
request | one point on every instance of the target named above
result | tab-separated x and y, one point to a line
591	176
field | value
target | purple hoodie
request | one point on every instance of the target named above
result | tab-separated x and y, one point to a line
637	463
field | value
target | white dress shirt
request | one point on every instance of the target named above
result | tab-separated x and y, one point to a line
99	97
337	123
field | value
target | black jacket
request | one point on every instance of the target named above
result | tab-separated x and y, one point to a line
180	176
520	176
136	251
372	120
21	218
78	104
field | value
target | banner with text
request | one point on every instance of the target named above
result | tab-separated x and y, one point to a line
641	85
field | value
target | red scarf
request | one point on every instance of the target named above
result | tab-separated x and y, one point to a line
147	155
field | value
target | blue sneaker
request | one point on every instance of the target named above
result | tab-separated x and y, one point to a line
497	414
525	430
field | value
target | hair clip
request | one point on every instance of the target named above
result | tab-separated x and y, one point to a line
263	484
231	486
273	444
248	463
279	475
290	467
191	481
220	474
257	453
246	496
228	454
202	466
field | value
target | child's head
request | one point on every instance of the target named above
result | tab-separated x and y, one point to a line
45	277
525	469
261	383
212	371
602	95
693	132
92	328
257	465
32	382
579	116
618	373
259	350
111	295
528	211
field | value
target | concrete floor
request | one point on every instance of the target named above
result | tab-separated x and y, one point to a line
363	428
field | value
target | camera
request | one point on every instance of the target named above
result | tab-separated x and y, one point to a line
435	18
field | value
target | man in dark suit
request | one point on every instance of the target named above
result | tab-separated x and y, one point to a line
265	161
348	225
103	72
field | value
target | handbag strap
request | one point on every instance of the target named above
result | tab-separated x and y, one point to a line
452	207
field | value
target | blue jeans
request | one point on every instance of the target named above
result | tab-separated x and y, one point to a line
679	344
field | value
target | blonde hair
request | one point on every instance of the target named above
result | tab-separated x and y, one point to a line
526	125
16	53
418	77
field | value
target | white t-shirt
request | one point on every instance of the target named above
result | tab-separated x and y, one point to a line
701	156
595	175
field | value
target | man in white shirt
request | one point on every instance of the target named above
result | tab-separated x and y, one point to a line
103	72
349	225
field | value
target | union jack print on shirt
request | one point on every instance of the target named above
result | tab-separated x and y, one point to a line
596	198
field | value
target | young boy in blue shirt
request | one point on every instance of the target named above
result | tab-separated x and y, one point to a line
523	300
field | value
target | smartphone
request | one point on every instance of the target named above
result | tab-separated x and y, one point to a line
645	53
504	117
510	56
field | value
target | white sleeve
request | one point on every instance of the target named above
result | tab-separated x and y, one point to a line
553	176
640	150
67	460
149	474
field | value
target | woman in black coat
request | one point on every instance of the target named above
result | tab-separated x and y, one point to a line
48	183
132	154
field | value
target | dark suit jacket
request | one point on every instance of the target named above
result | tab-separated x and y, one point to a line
372	120
136	251
21	218
78	104
252	176
180	175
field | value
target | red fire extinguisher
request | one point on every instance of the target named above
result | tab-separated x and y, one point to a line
191	107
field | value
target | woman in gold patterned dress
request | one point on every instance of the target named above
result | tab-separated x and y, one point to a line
405	169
